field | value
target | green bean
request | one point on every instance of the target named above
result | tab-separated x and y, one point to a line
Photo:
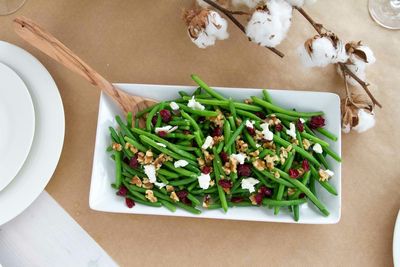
168	205
134	192
207	88
312	186
147	203
240	204
129	119
332	154
205	113
198	138
132	172
192	122
322	159
234	135
282	203
144	111
183	93
113	134
206	191
273	178
193	199
216	164
220	147
179	136
232	122
187	208
227	131
285	117
296	212
250	139
137	123
299	150
150	116
136	144
169	145
196	92
125	130
265	151
281	187
118	168
298	137
266	96
180	123
314	139
270	106
186	147
327	133
248	115
325	184
181	171
232	109
225	104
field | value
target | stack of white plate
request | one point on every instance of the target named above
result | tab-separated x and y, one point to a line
31	129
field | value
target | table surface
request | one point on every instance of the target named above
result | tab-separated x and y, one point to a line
145	42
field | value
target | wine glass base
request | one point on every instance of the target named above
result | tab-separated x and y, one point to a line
8	7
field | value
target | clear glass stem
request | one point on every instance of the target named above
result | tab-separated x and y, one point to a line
385	12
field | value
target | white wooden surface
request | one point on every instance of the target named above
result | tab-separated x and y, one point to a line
45	235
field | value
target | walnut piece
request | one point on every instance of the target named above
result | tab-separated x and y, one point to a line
116	147
218	120
174	197
150	196
323	175
254	153
253	199
169	188
306	144
218	139
241	145
136	181
129	146
259	164
146	183
159	161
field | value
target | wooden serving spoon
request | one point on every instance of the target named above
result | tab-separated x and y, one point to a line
48	44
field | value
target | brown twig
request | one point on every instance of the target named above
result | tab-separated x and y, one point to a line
230	14
319	27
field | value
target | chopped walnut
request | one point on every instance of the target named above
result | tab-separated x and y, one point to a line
259	164
269	145
253	199
159	161
291	191
117	147
283	155
174	197
208	157
248	101
150	196
201	162
241	145
146	183
295	141
212	183
227	168
136	181
289	148
301	171
206	201
169	188
271	161
259	135
277	175
306	144
273	120
218	139
254	153
129	146
231	166
238	121
145	158
218	120
323	175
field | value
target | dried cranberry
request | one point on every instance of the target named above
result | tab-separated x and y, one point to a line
259	197
134	162
225	183
278	127
126	160
129	202
206	169
165	115
293	173
302	195
305	165
265	191
216	132
182	194
317	122
162	133
260	114
224	157
154	120
251	130
122	191
299	126
186	132
236	199
201	119
244	170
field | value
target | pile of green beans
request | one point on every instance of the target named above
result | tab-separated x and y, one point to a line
288	184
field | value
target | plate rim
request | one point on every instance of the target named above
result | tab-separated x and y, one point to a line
32	120
95	204
13	199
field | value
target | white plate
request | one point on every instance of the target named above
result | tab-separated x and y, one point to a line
49	133
17	120
396	242
103	197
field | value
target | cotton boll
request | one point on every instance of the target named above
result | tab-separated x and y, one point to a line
322	53
366	120
269	27
341	54
248	3
217	26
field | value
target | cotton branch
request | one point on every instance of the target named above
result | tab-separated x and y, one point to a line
230	14
319	28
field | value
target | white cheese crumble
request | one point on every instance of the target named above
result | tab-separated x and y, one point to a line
180	163
238	157
209	142
250	124
161	144
317	148
204	180
268	135
166	128
174	105
193	104
249	183
150	171
159	185
329	172
292	131
302	120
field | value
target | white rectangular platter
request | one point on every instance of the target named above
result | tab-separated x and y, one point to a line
103	197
